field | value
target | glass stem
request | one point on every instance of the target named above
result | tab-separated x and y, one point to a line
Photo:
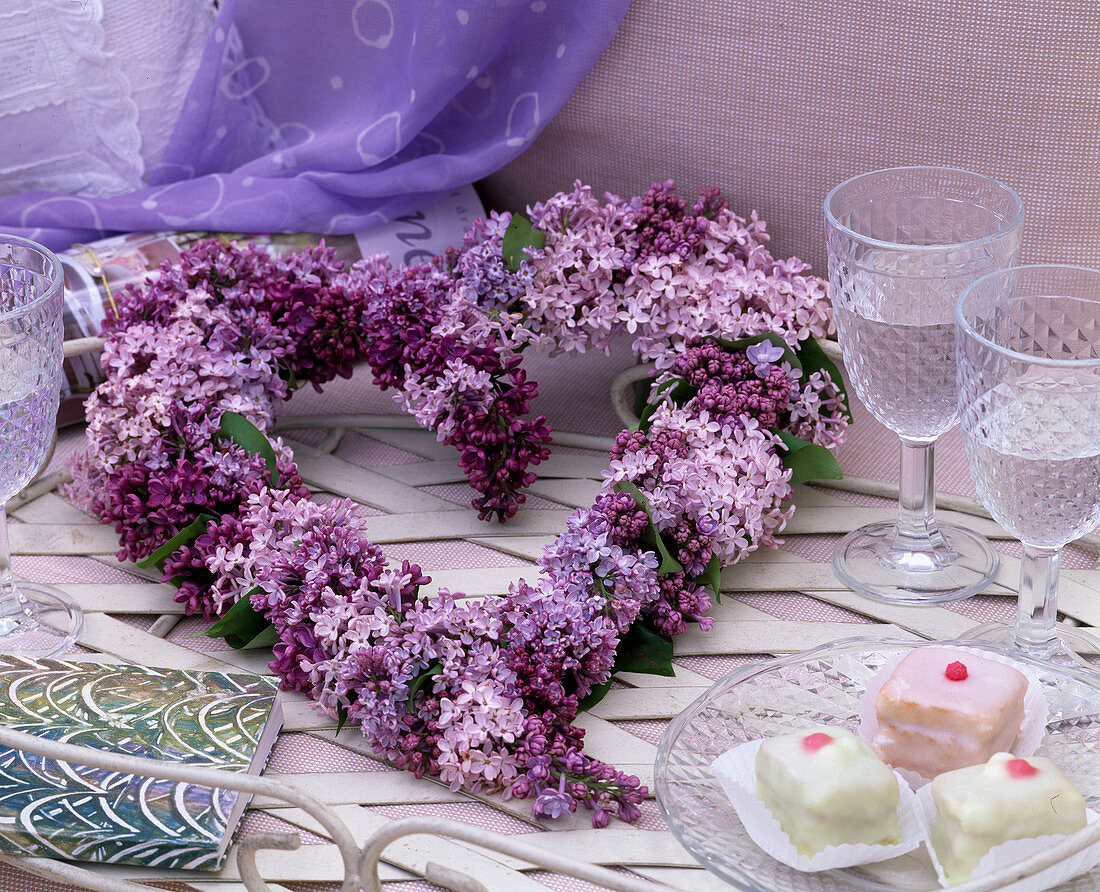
917	496
10	608
1037	608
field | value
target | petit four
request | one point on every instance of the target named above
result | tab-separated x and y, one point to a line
826	787
1006	798
943	709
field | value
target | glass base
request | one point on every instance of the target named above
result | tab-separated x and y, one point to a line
48	623
873	562
1071	648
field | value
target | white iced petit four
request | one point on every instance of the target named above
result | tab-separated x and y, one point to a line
827	787
943	709
1007	798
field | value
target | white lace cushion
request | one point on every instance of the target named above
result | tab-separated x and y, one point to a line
157	46
67	122
88	95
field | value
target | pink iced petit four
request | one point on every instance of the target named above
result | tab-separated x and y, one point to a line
943	709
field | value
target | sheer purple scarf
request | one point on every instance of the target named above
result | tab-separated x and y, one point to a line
333	115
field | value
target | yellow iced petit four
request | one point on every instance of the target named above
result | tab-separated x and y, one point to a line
826	787
1007	798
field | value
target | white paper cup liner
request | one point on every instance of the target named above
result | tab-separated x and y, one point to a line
1032	728
736	772
1014	850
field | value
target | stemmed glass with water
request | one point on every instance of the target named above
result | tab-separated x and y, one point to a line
35	620
902	245
1029	392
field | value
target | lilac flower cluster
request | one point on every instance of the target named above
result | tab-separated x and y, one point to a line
818	413
483	693
565	634
712	471
483	279
153	459
480	694
731	386
570	303
667	272
708	272
320	309
217	568
663	225
455	367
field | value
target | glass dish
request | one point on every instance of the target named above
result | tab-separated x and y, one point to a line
825	686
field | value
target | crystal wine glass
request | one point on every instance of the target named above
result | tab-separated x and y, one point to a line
902	245
35	620
1029	395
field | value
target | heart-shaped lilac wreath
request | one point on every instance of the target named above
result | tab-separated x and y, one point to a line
482	693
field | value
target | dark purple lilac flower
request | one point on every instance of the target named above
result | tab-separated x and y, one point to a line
483	694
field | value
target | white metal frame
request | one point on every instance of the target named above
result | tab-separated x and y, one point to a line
360	864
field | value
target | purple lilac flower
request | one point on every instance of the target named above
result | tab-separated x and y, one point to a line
554	802
818	414
729	286
762	356
569	304
459	376
482	694
663	225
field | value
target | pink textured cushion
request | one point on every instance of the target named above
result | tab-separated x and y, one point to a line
776	101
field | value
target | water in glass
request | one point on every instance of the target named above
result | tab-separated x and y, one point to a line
904	374
35	620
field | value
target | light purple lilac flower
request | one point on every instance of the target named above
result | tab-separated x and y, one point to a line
762	356
483	694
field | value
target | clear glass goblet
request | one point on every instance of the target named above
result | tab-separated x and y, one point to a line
1029	395
35	620
902	245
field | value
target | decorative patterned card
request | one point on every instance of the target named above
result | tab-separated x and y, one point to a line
62	810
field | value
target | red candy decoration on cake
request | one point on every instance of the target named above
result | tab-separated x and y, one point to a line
956	671
1021	768
813	742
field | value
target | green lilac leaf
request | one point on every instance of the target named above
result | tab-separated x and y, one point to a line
245	434
341	717
597	693
808	461
519	235
669	564
422	679
267	637
643	649
188	534
677	389
243	627
711	577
